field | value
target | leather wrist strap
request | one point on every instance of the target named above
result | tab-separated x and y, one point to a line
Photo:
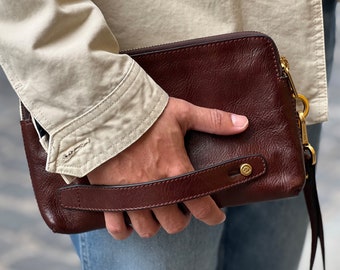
162	192
175	190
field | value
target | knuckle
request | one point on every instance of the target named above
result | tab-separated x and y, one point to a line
145	227
203	213
176	227
178	169
147	234
116	232
184	113
216	118
116	226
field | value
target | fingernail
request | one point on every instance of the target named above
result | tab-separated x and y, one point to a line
239	120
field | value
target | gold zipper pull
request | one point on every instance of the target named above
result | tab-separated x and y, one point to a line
285	66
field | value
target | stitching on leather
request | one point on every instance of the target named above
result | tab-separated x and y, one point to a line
78	198
247	179
220	43
181	177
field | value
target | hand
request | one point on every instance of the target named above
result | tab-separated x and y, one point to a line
161	153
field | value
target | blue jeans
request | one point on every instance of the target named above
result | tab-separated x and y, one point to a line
259	236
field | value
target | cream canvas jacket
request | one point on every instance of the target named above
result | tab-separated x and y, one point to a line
62	59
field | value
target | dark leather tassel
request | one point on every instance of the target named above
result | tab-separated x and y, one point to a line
313	206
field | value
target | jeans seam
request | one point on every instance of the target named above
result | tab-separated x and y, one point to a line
84	252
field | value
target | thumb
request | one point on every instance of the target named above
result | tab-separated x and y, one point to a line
214	121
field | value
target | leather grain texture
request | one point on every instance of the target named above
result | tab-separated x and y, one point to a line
239	73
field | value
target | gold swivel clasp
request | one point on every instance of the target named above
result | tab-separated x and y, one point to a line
302	114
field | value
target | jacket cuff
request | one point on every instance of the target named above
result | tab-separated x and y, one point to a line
108	128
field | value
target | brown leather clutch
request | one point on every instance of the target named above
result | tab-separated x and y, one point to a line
240	73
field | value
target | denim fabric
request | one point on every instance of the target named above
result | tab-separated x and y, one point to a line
258	236
194	248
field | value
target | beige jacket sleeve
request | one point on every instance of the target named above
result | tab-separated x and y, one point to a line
63	62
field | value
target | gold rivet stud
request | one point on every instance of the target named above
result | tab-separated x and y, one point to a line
246	169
